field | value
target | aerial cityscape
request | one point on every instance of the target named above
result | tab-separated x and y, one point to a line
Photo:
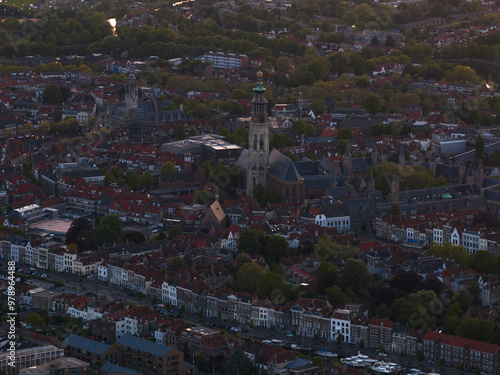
241	187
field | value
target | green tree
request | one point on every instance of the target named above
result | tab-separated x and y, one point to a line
271	285
327	249
200	110
448	251
476	329
201	363
453	318
134	237
395	210
480	146
174	232
340	146
133	181
224	132
280	140
35	320
317	106
345	134
318	361
104	234
355	275
410	177
240	260
52	95
114	223
249	241
180	132
248	277
362	82
326	277
80	233
299	127
276	248
291	156
389	42
109	230
85	36
238	364
146	180
284	63
168	168
335	296
383	311
372	104
378	129
463	74
177	262
484	261
72	248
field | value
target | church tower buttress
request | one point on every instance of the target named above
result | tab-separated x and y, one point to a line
258	139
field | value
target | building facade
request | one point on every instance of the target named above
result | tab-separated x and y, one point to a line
258	139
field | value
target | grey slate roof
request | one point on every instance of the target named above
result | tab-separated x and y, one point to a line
77	173
308	167
111	368
144	345
319	181
336	210
489	148
283	167
340	192
447	171
366	205
243	159
86	344
297	362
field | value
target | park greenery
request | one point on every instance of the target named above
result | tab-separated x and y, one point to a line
482	261
341	278
411	177
84	235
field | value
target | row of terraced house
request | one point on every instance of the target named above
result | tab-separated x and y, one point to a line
439	228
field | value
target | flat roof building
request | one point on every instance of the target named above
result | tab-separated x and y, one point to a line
29	357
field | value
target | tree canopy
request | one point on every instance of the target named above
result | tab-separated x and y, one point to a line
411	177
248	277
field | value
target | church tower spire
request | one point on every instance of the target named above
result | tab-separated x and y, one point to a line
395	187
258	138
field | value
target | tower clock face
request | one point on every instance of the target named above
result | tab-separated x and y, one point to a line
255	119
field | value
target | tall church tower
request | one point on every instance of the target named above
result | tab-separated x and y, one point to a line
131	93
395	187
258	139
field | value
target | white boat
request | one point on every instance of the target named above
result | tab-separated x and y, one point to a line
327	354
